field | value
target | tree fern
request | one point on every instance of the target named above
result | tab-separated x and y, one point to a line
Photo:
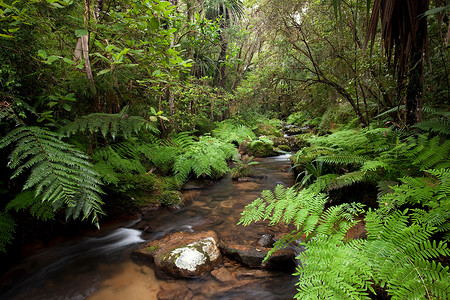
59	173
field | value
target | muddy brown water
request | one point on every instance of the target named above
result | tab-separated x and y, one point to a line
100	266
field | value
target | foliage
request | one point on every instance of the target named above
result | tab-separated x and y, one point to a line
230	132
242	167
28	201
431	192
7	229
207	157
113	124
395	255
60	173
371	155
268	129
406	234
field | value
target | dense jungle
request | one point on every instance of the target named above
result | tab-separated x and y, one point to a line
224	149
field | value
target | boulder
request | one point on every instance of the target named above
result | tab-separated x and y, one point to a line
184	254
251	256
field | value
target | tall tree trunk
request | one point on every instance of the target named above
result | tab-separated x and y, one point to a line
82	52
414	89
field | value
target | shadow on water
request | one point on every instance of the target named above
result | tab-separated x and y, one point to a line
100	266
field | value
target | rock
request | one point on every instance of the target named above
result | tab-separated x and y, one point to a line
174	291
283	259
266	241
245	179
222	274
184	254
143	225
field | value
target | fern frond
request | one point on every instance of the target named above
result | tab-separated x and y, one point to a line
7	229
401	257
60	173
27	200
346	180
441	125
329	270
230	132
341	159
113	124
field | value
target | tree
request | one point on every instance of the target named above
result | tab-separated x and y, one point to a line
404	36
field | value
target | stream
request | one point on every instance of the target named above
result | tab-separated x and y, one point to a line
100	266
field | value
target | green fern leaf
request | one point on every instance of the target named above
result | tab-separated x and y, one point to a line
60	173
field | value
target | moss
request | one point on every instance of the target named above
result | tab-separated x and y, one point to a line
268	130
170	198
261	149
284	148
153	248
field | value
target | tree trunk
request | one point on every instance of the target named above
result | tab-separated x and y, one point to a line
414	89
82	52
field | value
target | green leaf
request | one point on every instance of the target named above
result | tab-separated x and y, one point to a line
104	71
42	53
81	32
153	23
67	107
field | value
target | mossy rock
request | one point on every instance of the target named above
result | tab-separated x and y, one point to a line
170	198
285	148
258	148
268	130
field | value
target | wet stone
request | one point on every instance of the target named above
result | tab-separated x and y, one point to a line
222	274
266	240
174	291
184	254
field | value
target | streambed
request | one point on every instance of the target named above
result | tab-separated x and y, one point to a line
101	266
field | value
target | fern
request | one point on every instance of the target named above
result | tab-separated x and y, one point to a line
396	255
330	271
305	209
7	230
117	159
230	132
114	124
401	257
27	200
432	192
59	173
441	125
208	155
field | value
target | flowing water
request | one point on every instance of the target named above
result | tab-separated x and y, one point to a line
101	266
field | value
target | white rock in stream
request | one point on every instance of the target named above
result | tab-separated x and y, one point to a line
189	257
184	254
